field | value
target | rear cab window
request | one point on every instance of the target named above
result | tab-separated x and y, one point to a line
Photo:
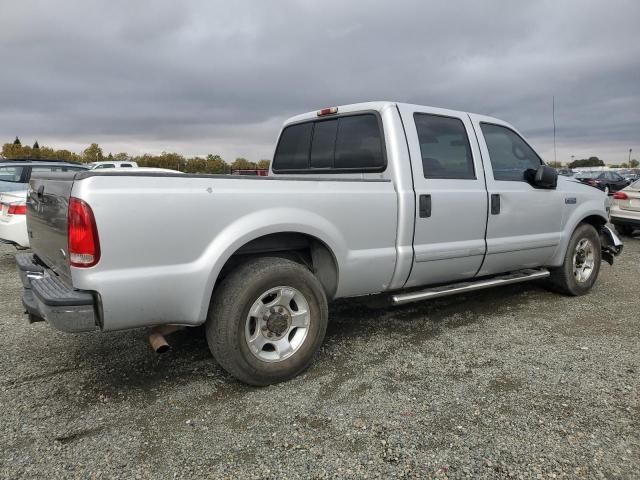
347	143
12	178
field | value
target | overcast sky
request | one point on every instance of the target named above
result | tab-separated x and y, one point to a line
221	77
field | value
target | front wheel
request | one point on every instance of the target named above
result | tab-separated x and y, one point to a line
581	265
267	320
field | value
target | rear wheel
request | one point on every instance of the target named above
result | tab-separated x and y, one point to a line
267	320
581	265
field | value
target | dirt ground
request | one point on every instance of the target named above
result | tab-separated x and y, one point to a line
513	382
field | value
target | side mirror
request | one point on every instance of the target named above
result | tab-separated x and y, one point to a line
545	177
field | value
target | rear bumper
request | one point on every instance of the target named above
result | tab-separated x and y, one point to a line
622	219
46	296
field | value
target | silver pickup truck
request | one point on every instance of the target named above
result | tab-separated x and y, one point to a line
406	201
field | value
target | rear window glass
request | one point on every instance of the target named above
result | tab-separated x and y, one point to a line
11	174
324	144
293	148
444	147
358	144
124	165
350	143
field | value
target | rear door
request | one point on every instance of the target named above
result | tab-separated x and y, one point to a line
525	223
450	195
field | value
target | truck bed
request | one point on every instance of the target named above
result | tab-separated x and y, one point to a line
170	234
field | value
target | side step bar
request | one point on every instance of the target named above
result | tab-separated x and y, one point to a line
463	287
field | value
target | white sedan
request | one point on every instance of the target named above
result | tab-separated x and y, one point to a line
13	210
625	209
13	218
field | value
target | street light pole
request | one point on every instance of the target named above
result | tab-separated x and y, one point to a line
630	150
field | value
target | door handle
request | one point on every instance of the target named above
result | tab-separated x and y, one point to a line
425	206
495	203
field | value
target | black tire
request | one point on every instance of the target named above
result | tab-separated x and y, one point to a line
563	278
229	310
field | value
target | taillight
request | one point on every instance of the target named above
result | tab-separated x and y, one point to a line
620	196
84	244
17	209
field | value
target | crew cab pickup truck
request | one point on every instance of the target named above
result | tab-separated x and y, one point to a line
406	201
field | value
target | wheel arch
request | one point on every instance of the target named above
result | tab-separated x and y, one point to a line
302	248
276	232
596	218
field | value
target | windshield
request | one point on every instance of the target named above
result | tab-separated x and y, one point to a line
11	179
635	185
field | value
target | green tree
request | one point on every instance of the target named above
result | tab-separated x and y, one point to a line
242	164
555	164
587	162
196	165
634	163
264	164
216	165
93	153
17	141
121	157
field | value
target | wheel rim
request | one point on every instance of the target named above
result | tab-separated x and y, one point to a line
277	324
583	260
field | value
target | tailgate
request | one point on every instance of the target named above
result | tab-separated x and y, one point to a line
47	205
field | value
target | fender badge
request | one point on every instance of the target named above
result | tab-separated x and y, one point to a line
570	200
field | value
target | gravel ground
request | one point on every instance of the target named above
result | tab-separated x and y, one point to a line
513	382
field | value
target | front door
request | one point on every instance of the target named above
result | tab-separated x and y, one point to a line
525	223
450	195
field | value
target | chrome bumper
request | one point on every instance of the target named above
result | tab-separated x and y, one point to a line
45	296
611	244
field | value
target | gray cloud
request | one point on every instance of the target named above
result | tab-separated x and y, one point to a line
201	77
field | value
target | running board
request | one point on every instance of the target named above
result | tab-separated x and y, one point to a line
463	287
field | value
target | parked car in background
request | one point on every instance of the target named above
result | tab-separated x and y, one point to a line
15	174
566	172
107	164
608	182
625	209
407	201
14	179
251	172
13	218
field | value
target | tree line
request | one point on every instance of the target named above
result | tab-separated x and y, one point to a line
94	153
594	162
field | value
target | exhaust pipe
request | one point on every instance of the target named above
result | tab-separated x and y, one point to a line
157	340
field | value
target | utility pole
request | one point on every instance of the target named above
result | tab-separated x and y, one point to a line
553	110
629	161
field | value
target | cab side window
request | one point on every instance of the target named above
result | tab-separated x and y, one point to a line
510	155
444	147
